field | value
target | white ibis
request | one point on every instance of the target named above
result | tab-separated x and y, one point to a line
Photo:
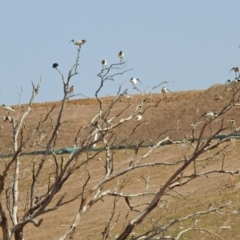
78	42
165	90
232	122
209	115
236	70
228	81
236	80
139	117
127	96
134	81
55	65
104	63
121	56
8	108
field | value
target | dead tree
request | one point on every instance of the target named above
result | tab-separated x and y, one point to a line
116	126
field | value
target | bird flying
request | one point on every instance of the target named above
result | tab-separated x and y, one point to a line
55	65
8	108
134	81
78	42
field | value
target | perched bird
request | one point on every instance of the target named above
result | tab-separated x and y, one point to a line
165	90
104	63
216	97
127	96
209	115
134	81
8	108
236	70
139	116
121	56
228	81
236	80
55	65
71	89
232	123
78	42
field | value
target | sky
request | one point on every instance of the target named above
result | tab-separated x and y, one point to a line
191	44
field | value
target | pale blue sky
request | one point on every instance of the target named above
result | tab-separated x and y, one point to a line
193	43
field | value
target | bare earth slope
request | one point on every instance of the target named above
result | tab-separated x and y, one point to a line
176	113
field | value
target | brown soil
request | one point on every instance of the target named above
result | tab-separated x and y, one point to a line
174	113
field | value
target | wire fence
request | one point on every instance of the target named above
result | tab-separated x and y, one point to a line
94	149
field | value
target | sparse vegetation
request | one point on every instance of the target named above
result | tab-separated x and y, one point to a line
168	175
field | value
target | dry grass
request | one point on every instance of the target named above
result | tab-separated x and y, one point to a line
196	196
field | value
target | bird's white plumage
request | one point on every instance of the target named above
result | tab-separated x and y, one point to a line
8	108
165	90
71	89
210	115
134	81
139	117
232	121
121	56
236	80
236	70
127	96
228	81
104	63
79	42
